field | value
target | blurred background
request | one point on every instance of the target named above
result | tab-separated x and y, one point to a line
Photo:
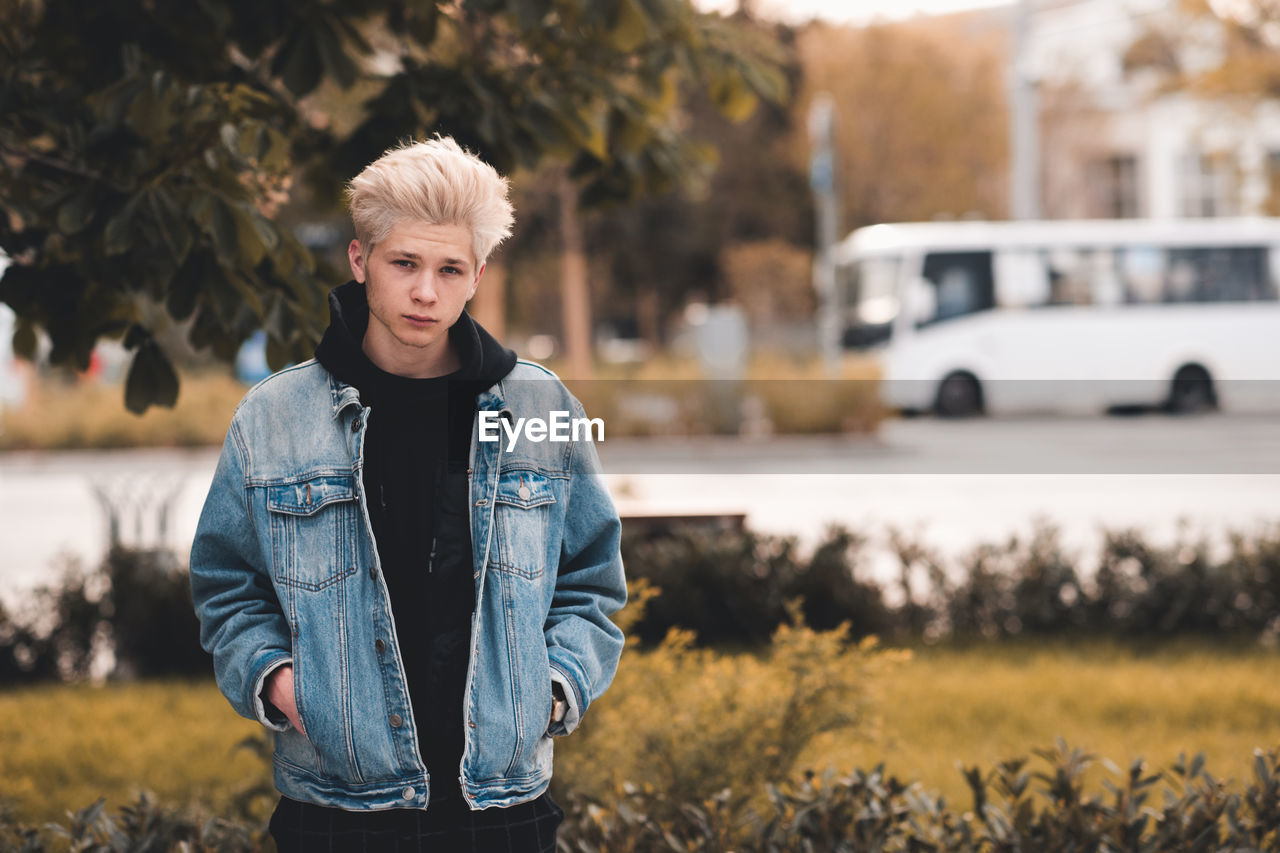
955	323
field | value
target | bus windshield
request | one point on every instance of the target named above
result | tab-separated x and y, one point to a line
872	297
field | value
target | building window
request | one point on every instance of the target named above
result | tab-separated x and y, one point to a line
1208	185
1116	186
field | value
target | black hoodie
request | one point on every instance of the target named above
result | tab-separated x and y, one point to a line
416	487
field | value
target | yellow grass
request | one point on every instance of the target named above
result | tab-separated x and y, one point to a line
62	747
79	415
986	704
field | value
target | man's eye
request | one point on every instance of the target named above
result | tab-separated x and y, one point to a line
405	264
451	271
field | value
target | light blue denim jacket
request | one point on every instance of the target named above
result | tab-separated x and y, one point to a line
284	570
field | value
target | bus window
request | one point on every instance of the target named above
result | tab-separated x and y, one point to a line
961	281
1142	274
1070	277
871	292
1234	274
1022	280
1104	278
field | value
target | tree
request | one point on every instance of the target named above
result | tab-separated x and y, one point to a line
146	146
920	118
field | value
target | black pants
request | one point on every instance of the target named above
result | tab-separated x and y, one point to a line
447	827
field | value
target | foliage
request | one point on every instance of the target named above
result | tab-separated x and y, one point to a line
733	586
147	151
62	746
133	610
730	587
1016	806
144	826
915	108
692	722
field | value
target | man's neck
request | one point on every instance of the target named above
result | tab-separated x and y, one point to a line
422	364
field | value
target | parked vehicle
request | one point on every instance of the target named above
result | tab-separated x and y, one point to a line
972	317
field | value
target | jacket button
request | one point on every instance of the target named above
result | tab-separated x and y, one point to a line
380	645
396	721
355	425
407	793
373	573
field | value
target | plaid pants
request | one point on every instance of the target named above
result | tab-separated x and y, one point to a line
446	827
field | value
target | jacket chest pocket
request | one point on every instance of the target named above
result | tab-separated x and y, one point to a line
522	505
313	530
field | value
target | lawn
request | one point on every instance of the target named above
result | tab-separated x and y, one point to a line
980	705
62	747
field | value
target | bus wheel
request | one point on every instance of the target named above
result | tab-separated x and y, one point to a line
959	396
1192	391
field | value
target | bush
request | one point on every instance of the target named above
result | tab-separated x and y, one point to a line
731	587
133	613
695	721
1014	809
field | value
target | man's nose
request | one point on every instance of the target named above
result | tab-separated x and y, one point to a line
424	289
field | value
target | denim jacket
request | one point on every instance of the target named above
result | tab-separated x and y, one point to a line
284	570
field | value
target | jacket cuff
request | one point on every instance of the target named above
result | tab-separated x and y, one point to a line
264	711
573	697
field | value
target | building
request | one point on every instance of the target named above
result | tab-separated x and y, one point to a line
1118	140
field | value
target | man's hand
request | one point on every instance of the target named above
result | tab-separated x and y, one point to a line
278	690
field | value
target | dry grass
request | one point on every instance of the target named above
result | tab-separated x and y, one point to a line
62	747
989	703
83	415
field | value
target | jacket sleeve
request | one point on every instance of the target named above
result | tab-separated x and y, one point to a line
241	622
582	643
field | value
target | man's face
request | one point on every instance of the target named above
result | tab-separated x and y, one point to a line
418	279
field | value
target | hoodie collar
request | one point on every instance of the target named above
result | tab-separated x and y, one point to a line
484	360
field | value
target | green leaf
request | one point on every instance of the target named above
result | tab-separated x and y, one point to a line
732	96
170	222
151	380
421	22
299	63
251	237
25	340
117	237
217	219
76	213
631	28
336	62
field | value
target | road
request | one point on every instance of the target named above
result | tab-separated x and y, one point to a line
955	483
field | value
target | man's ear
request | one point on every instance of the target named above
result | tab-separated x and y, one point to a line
475	284
356	259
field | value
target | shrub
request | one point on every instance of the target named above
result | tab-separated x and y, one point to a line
695	721
134	611
1014	809
732	587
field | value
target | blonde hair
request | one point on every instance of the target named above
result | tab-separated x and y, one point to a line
436	181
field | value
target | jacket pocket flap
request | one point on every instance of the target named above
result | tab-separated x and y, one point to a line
310	496
524	489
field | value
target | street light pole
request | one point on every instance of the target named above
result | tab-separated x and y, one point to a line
822	182
1024	122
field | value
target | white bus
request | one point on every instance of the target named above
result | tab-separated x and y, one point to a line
971	317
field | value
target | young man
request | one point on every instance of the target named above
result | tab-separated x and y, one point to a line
415	610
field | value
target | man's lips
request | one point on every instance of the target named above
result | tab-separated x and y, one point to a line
418	320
